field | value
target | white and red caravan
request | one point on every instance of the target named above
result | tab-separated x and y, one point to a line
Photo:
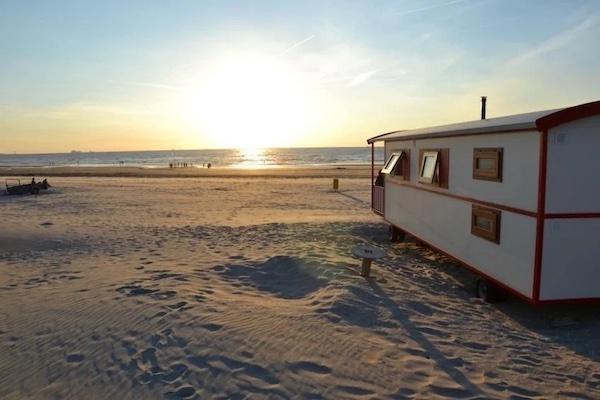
516	198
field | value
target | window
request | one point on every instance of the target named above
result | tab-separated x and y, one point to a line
434	167
429	167
398	165
391	163
487	164
485	223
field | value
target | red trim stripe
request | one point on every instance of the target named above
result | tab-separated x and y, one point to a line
539	231
478	271
568	114
469	199
588	300
372	172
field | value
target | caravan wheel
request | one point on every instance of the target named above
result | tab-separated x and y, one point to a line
489	291
396	234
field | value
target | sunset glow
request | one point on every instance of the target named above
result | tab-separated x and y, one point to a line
251	101
205	75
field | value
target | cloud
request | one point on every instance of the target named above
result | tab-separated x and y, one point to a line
361	78
75	110
557	41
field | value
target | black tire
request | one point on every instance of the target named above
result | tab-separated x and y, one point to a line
489	291
396	234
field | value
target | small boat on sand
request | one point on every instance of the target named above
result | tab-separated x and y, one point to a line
14	186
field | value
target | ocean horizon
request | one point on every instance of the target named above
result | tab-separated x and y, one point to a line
219	158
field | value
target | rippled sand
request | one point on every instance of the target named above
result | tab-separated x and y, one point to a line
245	288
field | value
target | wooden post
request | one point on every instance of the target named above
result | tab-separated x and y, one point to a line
366	267
372	171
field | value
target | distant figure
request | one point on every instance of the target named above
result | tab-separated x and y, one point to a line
208	165
33	180
379	181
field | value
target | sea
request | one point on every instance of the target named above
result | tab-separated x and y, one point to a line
223	158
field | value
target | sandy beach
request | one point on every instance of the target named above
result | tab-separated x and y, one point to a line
117	284
339	171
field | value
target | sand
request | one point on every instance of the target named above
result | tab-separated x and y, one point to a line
245	288
339	171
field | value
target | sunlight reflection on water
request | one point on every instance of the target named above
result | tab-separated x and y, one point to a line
252	157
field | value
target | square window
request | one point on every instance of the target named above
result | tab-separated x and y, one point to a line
487	164
429	167
398	165
391	163
485	223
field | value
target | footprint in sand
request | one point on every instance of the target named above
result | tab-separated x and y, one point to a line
450	392
160	314
74	358
141	291
199	298
212	327
185	392
354	391
308	366
158	375
177	306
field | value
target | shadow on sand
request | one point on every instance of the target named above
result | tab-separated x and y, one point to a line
354	198
282	276
575	326
418	337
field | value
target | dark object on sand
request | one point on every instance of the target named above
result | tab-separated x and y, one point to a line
14	186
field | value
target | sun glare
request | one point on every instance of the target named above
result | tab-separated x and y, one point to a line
251	101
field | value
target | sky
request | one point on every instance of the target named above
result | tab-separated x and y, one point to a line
148	75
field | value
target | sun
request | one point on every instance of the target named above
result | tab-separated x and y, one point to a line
252	101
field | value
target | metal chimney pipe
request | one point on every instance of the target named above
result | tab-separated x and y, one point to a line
483	103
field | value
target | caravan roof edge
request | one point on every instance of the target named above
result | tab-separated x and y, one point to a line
568	114
538	120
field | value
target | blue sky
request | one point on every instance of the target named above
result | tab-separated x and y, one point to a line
116	75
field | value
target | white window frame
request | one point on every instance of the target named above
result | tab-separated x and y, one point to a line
392	162
426	154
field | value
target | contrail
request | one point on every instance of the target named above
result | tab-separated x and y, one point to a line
449	3
148	84
300	43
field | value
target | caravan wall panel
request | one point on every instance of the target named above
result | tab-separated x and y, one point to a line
571	259
519	186
445	222
573	174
